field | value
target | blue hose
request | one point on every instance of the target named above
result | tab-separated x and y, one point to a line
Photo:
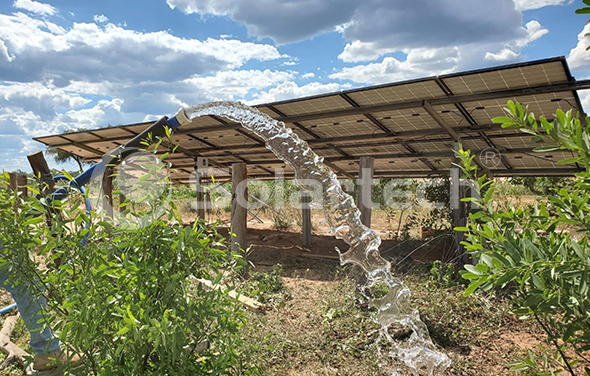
8	309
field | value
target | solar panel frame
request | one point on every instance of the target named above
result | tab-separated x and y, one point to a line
341	131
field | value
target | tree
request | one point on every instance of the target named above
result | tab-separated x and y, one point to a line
62	156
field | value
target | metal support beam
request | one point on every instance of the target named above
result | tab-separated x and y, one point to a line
365	185
433	154
239	207
107	191
306	217
200	194
439	120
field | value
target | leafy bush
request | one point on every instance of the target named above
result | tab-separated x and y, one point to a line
125	295
438	218
542	254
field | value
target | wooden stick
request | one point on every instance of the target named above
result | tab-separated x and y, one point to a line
14	354
249	303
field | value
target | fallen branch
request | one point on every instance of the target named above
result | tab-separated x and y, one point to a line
14	354
249	303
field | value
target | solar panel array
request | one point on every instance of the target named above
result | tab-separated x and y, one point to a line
410	128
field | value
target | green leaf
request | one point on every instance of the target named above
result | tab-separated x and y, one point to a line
519	367
33	220
543	149
472	269
583	11
508	277
568	161
497	263
469	276
502	120
123	330
474	285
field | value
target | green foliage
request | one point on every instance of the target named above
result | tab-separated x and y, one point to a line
444	274
124	294
439	217
265	286
530	251
541	185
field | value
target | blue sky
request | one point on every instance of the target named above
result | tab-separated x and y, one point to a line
70	64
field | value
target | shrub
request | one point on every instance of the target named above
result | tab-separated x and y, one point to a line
530	250
125	295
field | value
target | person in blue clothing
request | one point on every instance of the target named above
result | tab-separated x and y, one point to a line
47	348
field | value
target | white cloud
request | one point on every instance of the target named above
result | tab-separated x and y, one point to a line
585	99
88	75
419	63
231	85
290	90
308	75
100	18
511	51
397	24
89	52
505	54
422	62
536	4
283	21
362	51
35	7
534	30
579	57
42	99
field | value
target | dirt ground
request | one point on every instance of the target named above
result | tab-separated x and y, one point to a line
478	334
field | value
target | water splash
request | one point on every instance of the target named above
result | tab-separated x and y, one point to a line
393	308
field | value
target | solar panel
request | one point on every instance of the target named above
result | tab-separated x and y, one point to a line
394	123
332	102
398	93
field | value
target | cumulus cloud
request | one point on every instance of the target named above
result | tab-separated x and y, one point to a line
536	4
419	63
35	7
422	62
505	54
395	24
43	100
511	51
230	85
100	18
41	49
579	57
283	21
362	51
90	75
290	90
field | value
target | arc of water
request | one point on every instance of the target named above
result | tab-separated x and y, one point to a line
418	352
